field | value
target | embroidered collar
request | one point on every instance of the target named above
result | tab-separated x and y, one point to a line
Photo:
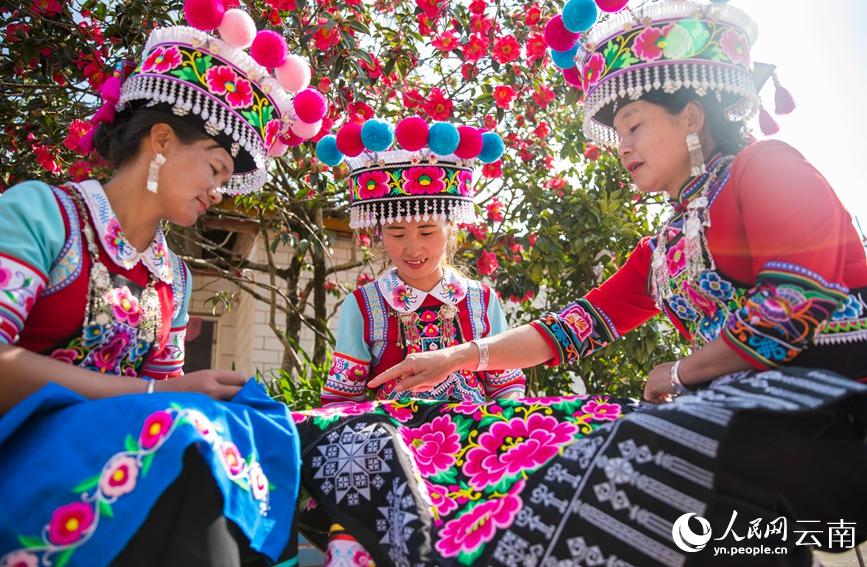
156	257
404	298
693	186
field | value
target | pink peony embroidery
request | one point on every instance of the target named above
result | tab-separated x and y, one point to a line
5	276
602	411
593	70
434	444
736	47
403	296
161	60
69	523
259	485
231	458
676	258
272	131
579	320
357	373
649	44
465	182
119	477
65	355
202	424
223	80
107	357
372	184
156	427
478	526
21	558
700	300
124	306
430	331
397	411
423	180
114	240
508	448
428	317
439	495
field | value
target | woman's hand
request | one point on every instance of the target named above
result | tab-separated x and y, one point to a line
217	384
657	388
420	372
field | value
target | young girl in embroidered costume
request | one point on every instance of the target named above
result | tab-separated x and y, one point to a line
413	198
93	305
758	267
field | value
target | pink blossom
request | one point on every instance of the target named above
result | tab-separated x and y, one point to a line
119	477
423	180
402	295
487	263
700	300
67	355
506	49
647	43
114	239
736	47
21	558
231	458
69	523
5	276
223	80
593	70
465	182
124	306
434	444
259	485
508	448
155	428
107	358
398	411
439	495
579	320
372	184
676	258
162	59
602	411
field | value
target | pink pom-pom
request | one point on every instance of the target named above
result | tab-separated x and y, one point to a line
349	139
294	74
611	5
269	49
310	105
412	133
470	144
110	90
277	149
291	139
558	37
204	14
238	29
767	124
104	114
573	77
307	129
784	103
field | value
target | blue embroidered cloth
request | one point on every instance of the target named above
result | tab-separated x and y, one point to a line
78	477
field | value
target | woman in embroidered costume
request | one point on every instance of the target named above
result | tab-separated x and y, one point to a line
412	198
93	305
758	267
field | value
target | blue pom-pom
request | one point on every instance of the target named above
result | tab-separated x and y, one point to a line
579	15
377	135
443	138
327	152
564	59
492	147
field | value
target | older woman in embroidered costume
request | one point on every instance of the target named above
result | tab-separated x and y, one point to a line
93	307
758	267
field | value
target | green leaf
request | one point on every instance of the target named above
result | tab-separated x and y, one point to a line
698	32
445	477
203	63
252	118
105	509
86	485
63	557
186	73
463	425
469	557
31	542
146	464
130	444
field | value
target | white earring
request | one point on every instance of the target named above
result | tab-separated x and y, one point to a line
696	157
154	172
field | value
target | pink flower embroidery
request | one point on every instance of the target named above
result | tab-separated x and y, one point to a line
119	477
465	182
676	258
5	276
372	184
601	410
428	317
398	411
114	238
69	523
202	424
357	373
700	300
65	355
107	357
124	306
649	43
593	70
453	291
736	47
434	444
298	417
423	180
259	485
21	558
223	80
508	448
431	331
272	130
155	428
478	526
361	558
579	320
550	400
161	60
403	296
439	495
231	457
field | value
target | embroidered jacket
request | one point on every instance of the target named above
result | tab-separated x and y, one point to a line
44	275
383	321
784	278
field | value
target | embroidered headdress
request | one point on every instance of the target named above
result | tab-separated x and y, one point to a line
658	45
215	84
429	176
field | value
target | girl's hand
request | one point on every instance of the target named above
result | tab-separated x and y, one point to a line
218	384
657	388
420	372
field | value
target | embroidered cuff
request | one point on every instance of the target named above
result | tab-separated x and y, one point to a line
577	331
781	314
20	285
347	380
500	383
169	362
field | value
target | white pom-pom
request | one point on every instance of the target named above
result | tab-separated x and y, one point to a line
238	29
306	130
294	74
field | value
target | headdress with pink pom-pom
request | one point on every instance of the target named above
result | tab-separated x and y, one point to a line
232	95
659	45
429	176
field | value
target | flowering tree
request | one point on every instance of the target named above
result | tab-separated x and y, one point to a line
559	216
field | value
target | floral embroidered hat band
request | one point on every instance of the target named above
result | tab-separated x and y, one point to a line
661	45
232	95
430	174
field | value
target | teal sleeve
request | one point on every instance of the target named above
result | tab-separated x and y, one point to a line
32	225
183	316
496	317
350	330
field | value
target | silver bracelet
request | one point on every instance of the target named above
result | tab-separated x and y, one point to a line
151	384
482	345
676	384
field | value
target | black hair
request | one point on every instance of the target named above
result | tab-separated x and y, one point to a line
119	141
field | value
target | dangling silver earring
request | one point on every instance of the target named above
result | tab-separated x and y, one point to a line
154	172
696	158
